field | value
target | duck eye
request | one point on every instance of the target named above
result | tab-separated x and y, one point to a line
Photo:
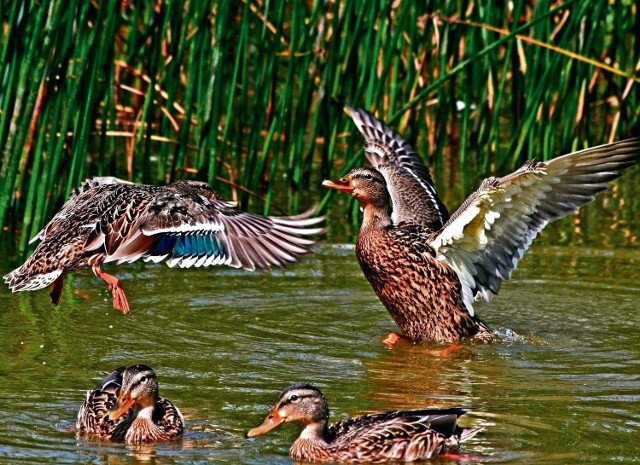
368	176
143	379
293	398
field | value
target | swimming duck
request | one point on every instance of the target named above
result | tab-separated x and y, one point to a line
399	436
186	223
125	406
427	267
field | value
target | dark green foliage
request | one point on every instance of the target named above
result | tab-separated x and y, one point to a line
246	95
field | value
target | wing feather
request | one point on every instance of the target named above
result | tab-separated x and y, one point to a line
211	231
487	236
408	179
188	224
401	435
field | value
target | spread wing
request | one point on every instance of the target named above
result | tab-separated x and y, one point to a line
192	229
215	232
408	180
487	236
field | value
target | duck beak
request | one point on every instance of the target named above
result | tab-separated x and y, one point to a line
342	184
272	421
123	404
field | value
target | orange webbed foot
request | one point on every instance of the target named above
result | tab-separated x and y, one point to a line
391	340
120	302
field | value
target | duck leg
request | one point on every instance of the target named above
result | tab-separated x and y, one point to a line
119	298
56	290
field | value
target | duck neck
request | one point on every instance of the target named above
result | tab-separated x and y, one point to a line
376	216
315	431
142	428
313	442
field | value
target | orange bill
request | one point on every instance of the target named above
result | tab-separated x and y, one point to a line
342	184
272	421
123	404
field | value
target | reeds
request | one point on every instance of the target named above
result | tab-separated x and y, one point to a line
246	95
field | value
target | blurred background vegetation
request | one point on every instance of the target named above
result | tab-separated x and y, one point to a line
247	94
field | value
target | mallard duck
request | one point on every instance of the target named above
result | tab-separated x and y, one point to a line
186	223
402	435
426	267
125	406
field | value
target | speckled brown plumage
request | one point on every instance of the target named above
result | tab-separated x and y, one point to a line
427	267
186	223
148	418
422	294
380	437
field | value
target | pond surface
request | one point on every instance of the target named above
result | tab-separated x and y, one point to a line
225	342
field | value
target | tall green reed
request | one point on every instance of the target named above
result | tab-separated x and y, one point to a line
247	95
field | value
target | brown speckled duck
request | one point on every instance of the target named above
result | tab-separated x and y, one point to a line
186	223
427	267
380	437
126	406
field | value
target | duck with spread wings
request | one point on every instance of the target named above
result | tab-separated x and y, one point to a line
427	267
186	223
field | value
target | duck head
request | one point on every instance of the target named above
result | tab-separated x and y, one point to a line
298	403
139	390
367	186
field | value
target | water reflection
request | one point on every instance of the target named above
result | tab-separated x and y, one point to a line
416	376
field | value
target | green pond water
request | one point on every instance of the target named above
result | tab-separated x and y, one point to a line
561	386
225	342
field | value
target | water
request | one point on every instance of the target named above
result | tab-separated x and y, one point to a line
225	342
